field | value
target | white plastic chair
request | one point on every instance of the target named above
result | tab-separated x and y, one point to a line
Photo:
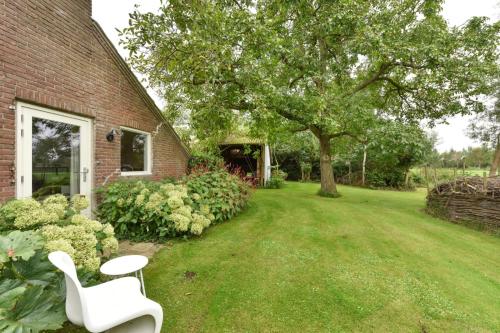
114	306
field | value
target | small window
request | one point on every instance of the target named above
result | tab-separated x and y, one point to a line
135	152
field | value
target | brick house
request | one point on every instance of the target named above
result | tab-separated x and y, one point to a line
72	114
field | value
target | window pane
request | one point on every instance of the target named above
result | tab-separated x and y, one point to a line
56	158
133	151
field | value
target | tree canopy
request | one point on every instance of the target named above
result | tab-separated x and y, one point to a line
330	67
486	128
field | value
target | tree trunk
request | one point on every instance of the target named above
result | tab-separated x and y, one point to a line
350	179
363	174
496	161
327	180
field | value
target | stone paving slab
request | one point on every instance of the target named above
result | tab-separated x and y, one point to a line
142	248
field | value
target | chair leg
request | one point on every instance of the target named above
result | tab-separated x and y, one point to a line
142	284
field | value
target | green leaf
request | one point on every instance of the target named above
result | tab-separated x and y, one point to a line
36	310
10	290
37	270
19	244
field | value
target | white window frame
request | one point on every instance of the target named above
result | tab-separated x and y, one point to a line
149	149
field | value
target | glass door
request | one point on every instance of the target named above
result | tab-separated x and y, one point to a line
53	153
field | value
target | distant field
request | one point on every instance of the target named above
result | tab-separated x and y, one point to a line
52	178
450	172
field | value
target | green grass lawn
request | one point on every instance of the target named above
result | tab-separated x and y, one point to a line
296	262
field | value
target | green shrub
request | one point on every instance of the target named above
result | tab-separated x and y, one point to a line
150	210
275	182
31	299
305	169
417	179
382	179
143	210
277	179
62	227
204	160
223	193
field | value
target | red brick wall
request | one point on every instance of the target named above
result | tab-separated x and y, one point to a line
52	54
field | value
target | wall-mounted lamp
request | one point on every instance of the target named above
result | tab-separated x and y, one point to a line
235	151
111	135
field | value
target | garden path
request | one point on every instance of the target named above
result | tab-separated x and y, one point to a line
142	248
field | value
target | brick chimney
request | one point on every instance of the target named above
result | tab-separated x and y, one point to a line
66	8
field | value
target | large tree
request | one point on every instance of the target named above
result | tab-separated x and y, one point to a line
323	66
486	128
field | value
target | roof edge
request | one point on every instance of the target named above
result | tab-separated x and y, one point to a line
127	71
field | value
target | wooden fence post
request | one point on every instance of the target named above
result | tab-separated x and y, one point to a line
427	179
485	183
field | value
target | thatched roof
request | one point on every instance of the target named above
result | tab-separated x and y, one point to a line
242	140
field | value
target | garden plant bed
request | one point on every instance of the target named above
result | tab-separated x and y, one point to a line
296	262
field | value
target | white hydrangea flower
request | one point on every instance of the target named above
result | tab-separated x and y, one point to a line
110	244
79	202
154	202
167	187
55	208
184	210
58	199
181	222
52	232
60	245
79	219
108	230
36	217
205	209
92	263
139	200
196	228
174	194
175	202
92	226
201	220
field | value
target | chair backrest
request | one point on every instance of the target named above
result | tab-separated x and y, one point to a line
74	294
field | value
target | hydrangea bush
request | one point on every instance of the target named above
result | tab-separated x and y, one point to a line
62	227
155	210
218	192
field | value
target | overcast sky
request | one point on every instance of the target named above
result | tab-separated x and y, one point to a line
113	14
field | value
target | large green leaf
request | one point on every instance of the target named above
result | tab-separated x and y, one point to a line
36	310
19	244
36	270
10	290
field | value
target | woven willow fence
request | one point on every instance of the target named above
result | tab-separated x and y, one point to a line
472	199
